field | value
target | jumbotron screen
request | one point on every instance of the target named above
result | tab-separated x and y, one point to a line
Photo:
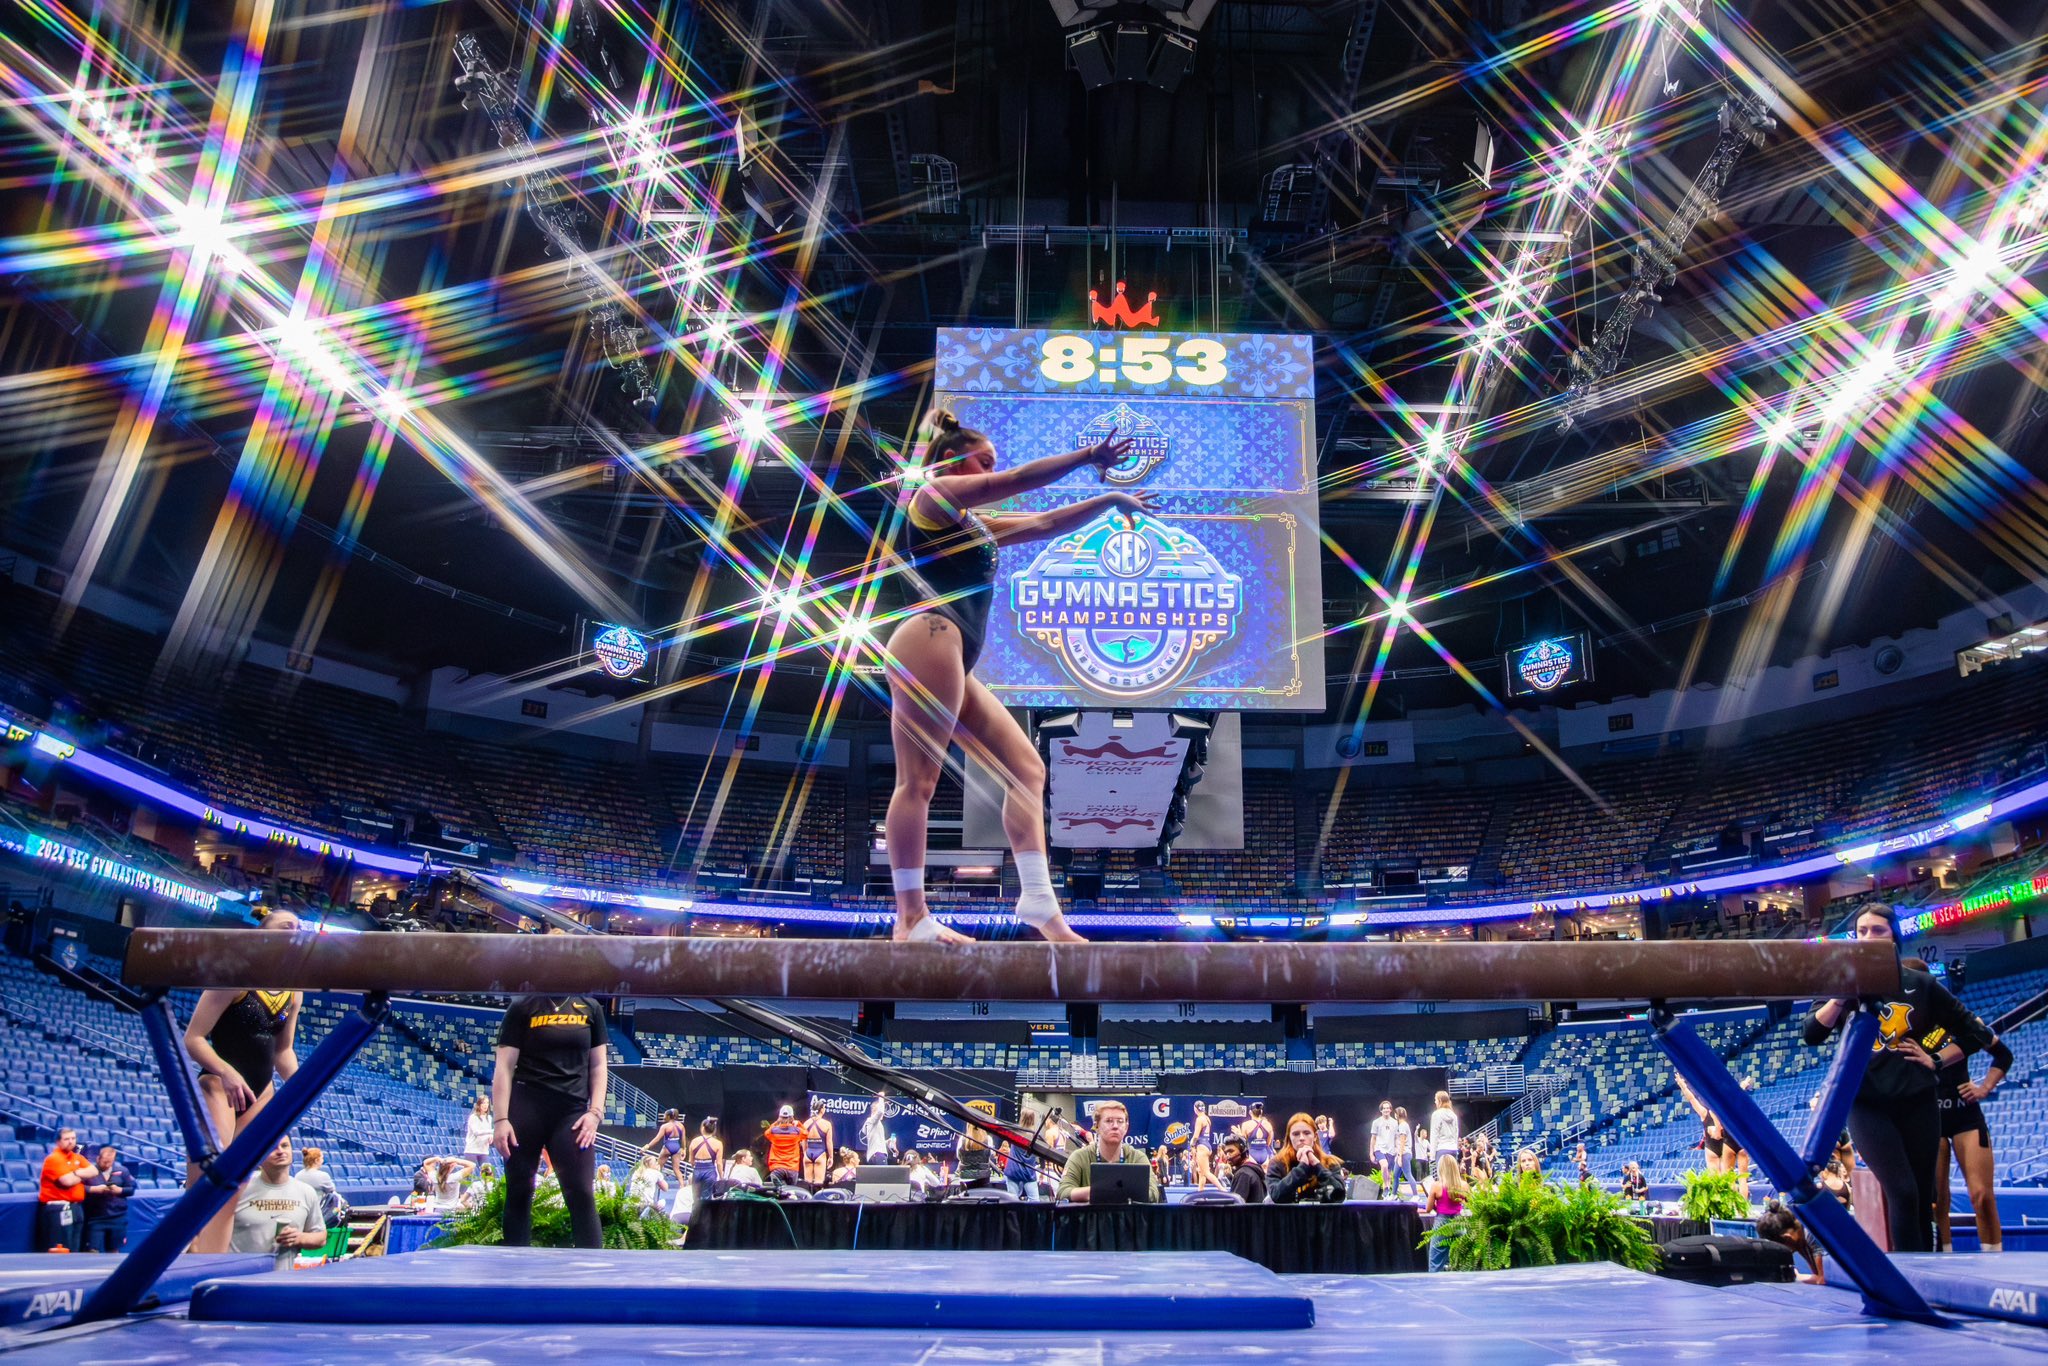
1213	603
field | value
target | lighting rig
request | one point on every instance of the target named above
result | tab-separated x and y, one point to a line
484	87
1744	121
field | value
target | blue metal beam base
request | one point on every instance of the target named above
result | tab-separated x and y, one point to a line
160	1026
221	1176
1886	1291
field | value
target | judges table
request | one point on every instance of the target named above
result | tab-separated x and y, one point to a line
1356	1238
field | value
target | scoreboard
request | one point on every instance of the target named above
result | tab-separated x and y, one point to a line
1215	602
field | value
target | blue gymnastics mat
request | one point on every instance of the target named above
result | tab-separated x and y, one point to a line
39	1289
1506	1318
1998	1285
1046	1291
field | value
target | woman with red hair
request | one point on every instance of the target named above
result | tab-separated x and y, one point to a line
1304	1171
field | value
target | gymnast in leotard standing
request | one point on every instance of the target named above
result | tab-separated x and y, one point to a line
669	1137
818	1145
932	689
241	1040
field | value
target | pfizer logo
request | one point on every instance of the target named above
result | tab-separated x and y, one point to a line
621	652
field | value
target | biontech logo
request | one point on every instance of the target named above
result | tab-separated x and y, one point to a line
1149	445
1127	609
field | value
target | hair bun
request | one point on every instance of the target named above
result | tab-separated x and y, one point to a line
944	421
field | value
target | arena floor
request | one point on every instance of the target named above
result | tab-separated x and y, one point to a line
1566	1314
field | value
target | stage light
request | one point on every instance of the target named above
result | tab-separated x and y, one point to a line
1781	431
751	424
916	476
1861	382
856	630
392	405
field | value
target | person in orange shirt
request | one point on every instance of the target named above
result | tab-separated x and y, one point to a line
62	1217
785	1146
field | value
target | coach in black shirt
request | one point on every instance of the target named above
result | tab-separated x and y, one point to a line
107	1193
548	1093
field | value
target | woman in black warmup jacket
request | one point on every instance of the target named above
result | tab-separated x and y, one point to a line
1896	1117
548	1095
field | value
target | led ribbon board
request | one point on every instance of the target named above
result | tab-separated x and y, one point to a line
1215	602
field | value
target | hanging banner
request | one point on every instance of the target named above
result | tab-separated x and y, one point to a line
906	1125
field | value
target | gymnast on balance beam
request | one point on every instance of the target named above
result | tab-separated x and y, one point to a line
931	654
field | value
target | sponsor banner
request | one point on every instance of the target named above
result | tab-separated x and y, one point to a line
907	1125
1110	786
1169	1121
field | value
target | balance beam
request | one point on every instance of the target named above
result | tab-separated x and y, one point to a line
876	969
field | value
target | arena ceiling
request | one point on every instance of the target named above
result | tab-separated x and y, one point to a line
335	383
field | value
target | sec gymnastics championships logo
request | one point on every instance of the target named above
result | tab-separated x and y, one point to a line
622	652
1127	610
1545	664
1149	445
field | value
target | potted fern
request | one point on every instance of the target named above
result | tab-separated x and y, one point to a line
627	1224
1712	1195
1503	1226
1521	1221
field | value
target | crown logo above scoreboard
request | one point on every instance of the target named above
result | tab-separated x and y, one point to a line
1118	311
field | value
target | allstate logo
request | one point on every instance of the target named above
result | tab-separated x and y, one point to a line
1149	445
1545	664
622	652
1127	609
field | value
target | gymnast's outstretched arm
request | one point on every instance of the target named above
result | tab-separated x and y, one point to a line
1039	526
955	492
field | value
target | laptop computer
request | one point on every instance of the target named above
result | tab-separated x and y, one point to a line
882	1182
1119	1183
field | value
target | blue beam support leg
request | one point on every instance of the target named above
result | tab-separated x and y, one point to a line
1886	1291
160	1026
221	1177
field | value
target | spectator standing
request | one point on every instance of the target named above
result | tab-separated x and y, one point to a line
277	1212
548	1094
1634	1185
874	1130
476	1132
1386	1143
1020	1167
785	1146
107	1192
314	1175
61	1221
647	1183
971	1158
1447	1192
1404	1140
1443	1126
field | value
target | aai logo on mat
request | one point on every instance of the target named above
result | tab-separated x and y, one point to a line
1545	664
1149	445
1127	609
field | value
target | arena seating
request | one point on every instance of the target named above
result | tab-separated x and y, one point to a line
313	752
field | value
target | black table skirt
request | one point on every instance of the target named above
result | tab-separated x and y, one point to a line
1291	1239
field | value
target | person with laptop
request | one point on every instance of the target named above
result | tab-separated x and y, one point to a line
1078	1182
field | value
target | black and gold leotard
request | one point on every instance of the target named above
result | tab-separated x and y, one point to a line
245	1035
953	568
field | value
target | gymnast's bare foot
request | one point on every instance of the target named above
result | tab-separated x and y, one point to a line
924	927
1058	931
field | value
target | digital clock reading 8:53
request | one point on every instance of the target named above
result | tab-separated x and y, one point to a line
1141	360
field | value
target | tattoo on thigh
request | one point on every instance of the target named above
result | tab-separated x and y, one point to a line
935	625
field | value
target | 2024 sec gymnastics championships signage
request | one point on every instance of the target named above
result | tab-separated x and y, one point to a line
1215	602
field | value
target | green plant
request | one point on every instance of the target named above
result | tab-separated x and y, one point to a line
1521	1221
626	1223
1713	1195
1504	1225
1589	1225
